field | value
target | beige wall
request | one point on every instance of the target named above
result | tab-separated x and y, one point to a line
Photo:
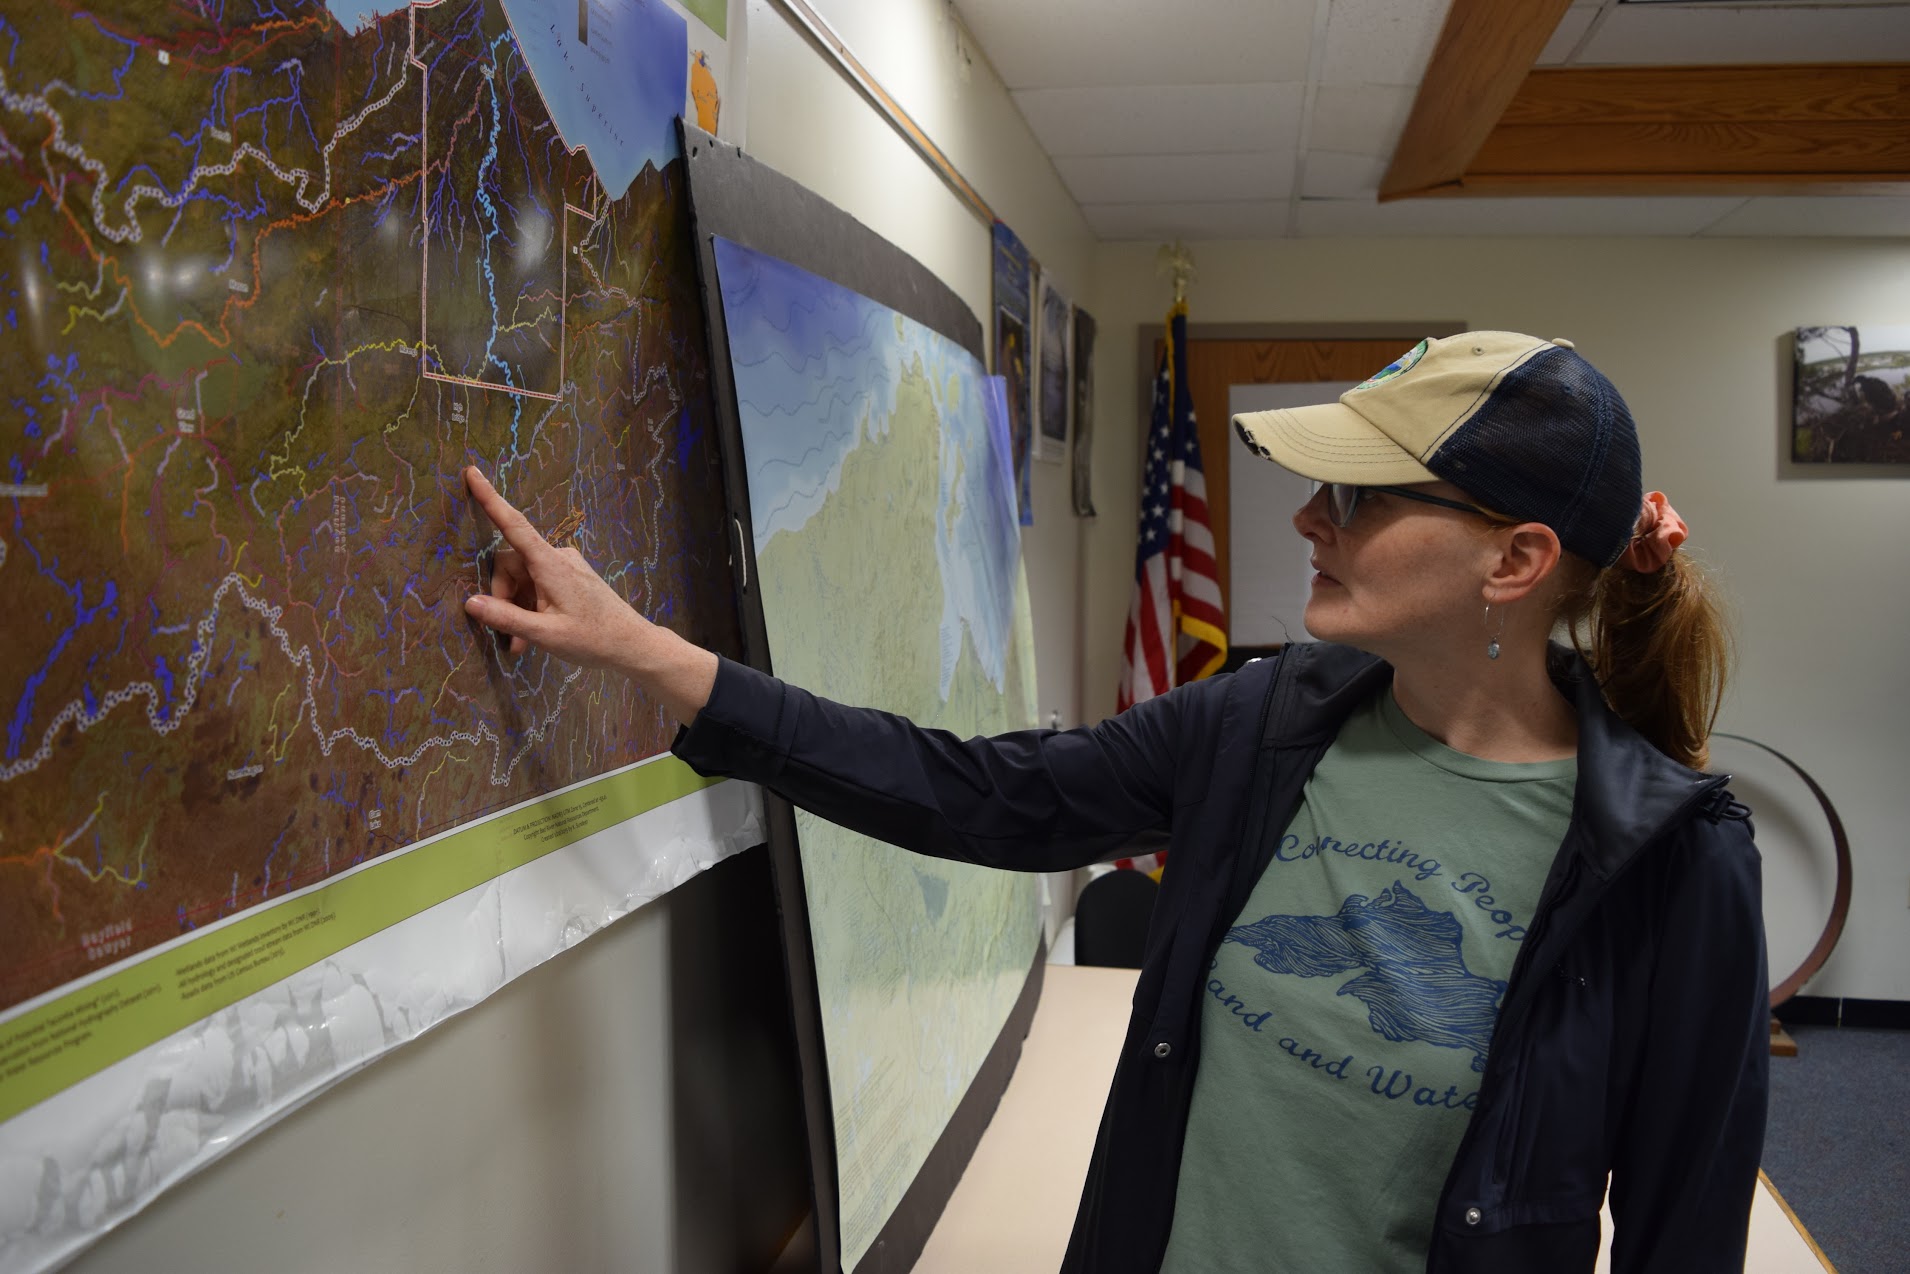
1692	332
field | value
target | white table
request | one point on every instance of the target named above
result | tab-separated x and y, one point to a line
1015	1205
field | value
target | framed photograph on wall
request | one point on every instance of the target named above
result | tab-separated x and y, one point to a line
1014	285
1850	395
1054	387
1014	364
1083	414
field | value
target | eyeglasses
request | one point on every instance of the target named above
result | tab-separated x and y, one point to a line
1343	501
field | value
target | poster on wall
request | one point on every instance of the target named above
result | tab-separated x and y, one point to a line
1055	353
716	48
1014	274
889	500
1015	364
1083	414
270	805
1851	395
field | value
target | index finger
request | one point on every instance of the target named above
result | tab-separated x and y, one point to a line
512	525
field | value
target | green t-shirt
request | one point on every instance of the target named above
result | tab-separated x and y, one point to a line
1350	1007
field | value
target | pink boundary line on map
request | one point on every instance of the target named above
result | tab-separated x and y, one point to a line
424	225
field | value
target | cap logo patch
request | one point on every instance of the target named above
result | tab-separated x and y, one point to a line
1404	363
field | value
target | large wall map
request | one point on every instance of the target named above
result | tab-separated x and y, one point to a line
270	284
883	510
269	279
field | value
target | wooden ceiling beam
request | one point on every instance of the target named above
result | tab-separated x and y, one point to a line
1740	130
1695	150
1847	92
1483	55
1721	185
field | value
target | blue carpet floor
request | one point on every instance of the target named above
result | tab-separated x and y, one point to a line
1838	1146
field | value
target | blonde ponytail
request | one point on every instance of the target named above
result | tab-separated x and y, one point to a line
1658	644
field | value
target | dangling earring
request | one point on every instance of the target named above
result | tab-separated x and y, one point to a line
1492	639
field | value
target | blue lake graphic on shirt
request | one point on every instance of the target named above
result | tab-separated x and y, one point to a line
1413	977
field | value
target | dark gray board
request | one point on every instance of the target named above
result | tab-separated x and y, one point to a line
743	200
735	197
739	1155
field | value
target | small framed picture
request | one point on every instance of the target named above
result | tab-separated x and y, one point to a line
1054	386
1850	397
1012	364
1083	414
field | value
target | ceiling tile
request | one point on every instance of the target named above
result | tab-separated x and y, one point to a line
1090	43
1360	119
1331	174
1255	219
1571	29
1164	119
1340	218
1110	179
1380	41
1713	34
1868	215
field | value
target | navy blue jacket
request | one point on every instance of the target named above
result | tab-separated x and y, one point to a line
1633	1038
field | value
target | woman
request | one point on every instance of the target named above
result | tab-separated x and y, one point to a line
1453	928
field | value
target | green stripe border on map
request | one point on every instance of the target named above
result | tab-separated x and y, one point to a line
62	1042
715	14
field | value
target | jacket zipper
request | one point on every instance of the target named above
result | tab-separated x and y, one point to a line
1568	887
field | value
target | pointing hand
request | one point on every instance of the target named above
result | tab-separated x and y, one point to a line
549	597
546	596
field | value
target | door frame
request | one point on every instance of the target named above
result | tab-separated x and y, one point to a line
1151	337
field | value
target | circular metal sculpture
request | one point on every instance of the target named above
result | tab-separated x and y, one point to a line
1840	901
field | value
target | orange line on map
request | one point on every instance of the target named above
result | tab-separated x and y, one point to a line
241	50
224	339
49	856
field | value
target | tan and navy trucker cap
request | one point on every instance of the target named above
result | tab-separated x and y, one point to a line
1523	425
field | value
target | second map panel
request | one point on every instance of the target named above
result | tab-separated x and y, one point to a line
883	513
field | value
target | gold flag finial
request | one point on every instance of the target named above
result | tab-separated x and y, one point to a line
1175	259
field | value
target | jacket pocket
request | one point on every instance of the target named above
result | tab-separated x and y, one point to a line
1552	1145
1508	1108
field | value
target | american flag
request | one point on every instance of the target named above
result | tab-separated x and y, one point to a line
1176	627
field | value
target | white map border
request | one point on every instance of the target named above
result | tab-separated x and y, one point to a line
232	1074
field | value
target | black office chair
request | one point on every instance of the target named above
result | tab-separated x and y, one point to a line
1111	918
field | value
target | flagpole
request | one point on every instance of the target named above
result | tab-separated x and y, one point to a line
1176	627
1198	620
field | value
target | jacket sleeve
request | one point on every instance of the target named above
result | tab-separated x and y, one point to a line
1686	1165
1036	800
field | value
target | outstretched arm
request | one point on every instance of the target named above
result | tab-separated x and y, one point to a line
549	597
1037	800
1032	800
